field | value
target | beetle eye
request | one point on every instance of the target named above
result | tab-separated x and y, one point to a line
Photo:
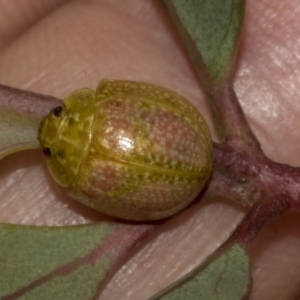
57	111
47	151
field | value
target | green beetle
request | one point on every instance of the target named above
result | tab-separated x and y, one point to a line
132	150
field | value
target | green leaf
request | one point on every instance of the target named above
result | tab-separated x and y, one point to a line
20	115
228	278
210	30
61	262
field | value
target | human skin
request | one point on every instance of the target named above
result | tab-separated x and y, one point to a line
54	47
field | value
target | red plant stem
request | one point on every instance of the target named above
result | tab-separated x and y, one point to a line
25	103
21	113
229	118
262	214
271	188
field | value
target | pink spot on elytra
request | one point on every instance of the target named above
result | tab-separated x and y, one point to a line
104	178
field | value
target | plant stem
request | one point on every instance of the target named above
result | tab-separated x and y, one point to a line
229	119
21	113
25	103
251	178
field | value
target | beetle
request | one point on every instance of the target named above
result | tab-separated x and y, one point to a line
133	150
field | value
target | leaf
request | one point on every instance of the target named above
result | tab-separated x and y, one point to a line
20	115
211	31
228	278
61	262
